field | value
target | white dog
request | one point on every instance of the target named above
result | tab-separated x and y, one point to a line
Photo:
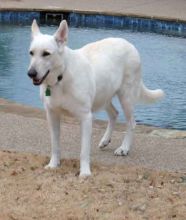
84	81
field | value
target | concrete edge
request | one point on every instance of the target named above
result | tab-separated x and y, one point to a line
11	107
162	18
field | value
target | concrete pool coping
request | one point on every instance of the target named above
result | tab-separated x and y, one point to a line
165	10
25	129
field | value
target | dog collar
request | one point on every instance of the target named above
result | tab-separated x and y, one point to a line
59	78
48	89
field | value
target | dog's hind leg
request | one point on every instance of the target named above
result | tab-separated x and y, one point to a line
112	114
54	124
127	142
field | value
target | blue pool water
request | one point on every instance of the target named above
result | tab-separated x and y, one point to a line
163	61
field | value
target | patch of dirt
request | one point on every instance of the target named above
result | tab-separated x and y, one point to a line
28	191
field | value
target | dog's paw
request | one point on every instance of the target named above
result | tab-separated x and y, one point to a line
84	175
85	172
121	151
52	164
103	143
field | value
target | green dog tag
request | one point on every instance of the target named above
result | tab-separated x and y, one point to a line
48	92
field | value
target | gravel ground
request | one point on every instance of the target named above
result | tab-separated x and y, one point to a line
28	192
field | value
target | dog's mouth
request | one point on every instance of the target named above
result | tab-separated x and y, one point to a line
38	82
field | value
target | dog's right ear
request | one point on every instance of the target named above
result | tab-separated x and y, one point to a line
61	34
35	28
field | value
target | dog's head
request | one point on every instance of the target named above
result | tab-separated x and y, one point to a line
45	51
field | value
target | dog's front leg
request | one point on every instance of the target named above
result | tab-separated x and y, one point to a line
86	132
53	118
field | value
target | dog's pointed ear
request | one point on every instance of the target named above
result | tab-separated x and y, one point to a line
61	34
35	28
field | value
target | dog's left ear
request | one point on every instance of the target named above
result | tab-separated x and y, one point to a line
61	34
35	28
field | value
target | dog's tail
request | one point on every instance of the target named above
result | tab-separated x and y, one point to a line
148	96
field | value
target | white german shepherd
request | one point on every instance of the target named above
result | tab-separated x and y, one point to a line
84	81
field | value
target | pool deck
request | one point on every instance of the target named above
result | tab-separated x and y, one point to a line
25	129
158	9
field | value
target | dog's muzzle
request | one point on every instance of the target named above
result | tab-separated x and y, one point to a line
32	73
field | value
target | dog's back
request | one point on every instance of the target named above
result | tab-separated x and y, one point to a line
116	64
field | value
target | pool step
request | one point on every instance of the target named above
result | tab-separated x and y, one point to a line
53	17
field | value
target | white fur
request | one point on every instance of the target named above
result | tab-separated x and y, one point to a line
92	76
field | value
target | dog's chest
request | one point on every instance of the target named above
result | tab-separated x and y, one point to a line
60	100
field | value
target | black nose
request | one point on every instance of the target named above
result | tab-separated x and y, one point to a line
32	73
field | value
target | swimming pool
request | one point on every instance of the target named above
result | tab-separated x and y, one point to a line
163	61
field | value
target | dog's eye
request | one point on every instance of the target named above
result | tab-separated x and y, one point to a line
45	54
31	53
